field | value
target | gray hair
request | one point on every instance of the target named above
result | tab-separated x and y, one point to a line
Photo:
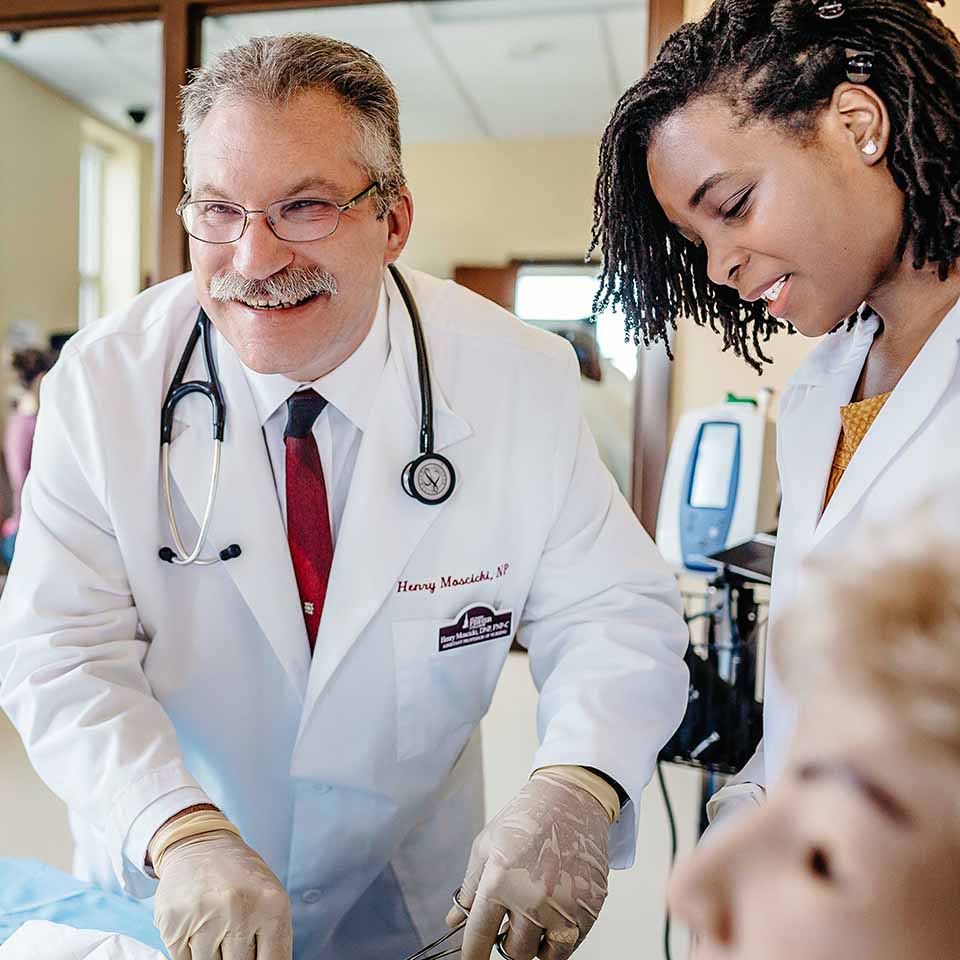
276	69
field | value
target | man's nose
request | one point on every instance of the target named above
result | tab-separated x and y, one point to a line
259	253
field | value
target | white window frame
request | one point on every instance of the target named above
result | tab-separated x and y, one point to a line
93	162
610	331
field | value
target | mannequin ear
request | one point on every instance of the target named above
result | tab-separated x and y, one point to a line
864	120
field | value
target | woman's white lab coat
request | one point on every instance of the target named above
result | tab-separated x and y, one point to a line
910	453
138	685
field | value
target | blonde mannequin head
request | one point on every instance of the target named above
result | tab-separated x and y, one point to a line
855	853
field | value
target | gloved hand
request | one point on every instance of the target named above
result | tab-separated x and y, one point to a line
217	899
543	860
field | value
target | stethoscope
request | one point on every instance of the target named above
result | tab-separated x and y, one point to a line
430	478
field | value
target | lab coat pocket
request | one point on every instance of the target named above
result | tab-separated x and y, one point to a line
441	697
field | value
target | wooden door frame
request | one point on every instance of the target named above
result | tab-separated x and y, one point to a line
181	20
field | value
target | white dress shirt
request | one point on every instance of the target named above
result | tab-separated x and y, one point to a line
349	391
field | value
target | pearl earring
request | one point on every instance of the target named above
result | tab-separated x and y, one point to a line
870	149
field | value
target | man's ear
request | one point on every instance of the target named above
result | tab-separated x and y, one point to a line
399	223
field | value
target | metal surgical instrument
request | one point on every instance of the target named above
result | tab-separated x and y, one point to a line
424	953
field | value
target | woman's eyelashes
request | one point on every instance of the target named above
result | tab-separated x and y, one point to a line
736	206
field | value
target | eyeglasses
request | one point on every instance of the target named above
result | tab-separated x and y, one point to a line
296	220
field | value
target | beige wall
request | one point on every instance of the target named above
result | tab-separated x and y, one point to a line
39	173
702	374
39	197
486	203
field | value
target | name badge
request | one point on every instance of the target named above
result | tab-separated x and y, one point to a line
476	624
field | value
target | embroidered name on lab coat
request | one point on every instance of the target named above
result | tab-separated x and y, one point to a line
476	624
446	582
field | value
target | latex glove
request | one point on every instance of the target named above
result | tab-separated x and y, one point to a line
217	899
727	805
543	860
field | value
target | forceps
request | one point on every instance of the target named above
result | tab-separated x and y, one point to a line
424	952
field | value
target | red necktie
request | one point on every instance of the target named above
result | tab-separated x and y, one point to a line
308	516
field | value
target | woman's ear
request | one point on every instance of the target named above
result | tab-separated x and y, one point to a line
863	118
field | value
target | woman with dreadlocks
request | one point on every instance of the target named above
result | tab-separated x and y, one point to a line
797	163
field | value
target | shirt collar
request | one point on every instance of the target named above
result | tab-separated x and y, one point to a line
349	387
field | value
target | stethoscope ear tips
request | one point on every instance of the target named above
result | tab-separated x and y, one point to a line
227	553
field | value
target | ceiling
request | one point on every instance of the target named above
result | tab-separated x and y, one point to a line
464	69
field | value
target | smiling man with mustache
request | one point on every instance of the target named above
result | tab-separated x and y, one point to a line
283	744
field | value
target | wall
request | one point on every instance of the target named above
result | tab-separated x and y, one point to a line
39	196
702	374
486	203
39	171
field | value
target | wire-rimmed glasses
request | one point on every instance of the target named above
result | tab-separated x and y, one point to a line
295	220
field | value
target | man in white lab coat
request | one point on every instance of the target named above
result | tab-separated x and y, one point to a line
287	737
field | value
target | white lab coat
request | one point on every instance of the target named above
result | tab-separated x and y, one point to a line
129	678
909	454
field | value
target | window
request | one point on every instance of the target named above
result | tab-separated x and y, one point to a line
554	293
92	164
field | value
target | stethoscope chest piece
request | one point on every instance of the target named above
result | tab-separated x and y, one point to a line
430	478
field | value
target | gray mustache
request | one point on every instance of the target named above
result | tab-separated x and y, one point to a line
290	285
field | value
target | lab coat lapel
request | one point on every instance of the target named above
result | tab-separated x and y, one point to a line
809	430
916	396
381	525
246	510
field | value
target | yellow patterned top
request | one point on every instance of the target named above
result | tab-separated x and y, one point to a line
857	420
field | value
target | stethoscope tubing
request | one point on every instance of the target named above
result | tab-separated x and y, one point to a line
213	391
423	368
184	558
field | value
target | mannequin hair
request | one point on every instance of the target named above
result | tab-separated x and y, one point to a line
881	618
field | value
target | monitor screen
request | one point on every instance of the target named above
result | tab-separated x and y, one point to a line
716	452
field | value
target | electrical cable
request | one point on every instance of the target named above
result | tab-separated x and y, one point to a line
673	854
702	613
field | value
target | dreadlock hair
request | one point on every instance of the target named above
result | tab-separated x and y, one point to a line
776	60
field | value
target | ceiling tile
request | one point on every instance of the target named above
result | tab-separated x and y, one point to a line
464	69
